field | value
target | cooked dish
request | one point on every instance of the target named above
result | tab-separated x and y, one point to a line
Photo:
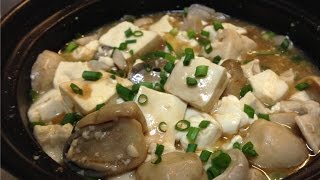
194	94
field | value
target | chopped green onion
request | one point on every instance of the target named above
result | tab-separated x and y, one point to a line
236	145
221	160
112	52
71	118
128	32
217	25
248	149
131	41
204	124
91	75
158	54
163	77
137	33
131	52
174	31
191	81
158	87
248	110
216	59
191	34
142	99
268	35
170	48
203	41
192	148
113	76
170	57
193	133
285	44
245	90
123	46
99	106
205	33
264	116
71	46
157	161
76	89
204	156
182	125
169	67
39	123
302	86
159	150
147	67
125	93
163	127
213	172
146	84
208	48
189	55
201	71
34	95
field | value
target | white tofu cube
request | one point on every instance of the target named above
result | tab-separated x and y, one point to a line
47	107
207	137
182	36
163	25
251	68
255	103
268	87
238	29
300	96
94	92
206	93
288	76
161	107
116	35
52	139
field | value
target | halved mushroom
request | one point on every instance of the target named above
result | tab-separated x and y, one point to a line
286	118
108	142
310	127
174	165
276	145
237	80
147	71
43	70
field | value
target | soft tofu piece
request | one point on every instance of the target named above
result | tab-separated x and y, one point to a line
238	29
183	37
300	96
268	87
52	139
161	107
86	52
47	107
288	76
94	92
163	25
68	71
106	60
207	137
255	103
209	89
230	115
116	35
229	44
229	145
251	68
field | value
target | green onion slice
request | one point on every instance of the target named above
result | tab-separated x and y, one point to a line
216	59
123	46
76	89
163	127
99	106
169	67
71	118
201	71
191	81
189	55
221	160
191	34
174	31
128	32
264	116
131	41
170	48
182	125
131	52
248	110
142	99
302	86
157	161
205	155
113	76
236	145
125	93
205	33
34	95
245	90
193	134
71	46
208	48
39	123
248	150
285	44
158	152
192	148
217	25
213	172
137	33
91	75
204	124
268	35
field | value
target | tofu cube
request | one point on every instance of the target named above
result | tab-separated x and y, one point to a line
251	68
208	90
163	25
161	107
145	43
94	92
268	87
255	103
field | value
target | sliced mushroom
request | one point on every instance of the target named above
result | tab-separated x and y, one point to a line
108	142
287	119
238	169
174	165
255	174
147	71
276	145
237	80
43	70
119	60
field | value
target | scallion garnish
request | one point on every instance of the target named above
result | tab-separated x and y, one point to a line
248	110
125	93
123	46
189	55
191	34
71	118
99	106
208	48
91	75
163	127
263	116
76	89
217	25
163	77
182	125
205	33
191	81
71	46
204	124
142	99
216	59
158	153
201	71
131	52
131	41
193	134
170	48
285	44
39	123
236	145
268	35
34	95
192	148
158	87
213	172
137	33
128	32
248	150
245	90
147	67
221	160
205	155
203	41
174	31
302	86
113	76
169	67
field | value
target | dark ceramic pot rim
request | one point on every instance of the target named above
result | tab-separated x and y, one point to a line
23	38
